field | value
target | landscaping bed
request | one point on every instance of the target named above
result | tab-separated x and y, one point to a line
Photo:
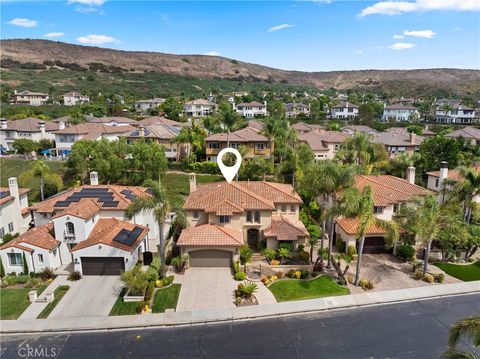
166	298
298	289
14	301
123	308
58	295
465	272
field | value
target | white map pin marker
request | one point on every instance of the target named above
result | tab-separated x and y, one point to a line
229	172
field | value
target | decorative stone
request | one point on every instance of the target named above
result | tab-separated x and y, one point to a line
32	296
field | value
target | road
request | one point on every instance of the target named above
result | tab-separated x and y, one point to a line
407	330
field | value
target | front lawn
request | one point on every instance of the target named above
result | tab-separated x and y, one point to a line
57	296
467	272
166	298
14	301
297	289
123	308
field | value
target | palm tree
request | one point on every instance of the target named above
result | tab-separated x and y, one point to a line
157	204
194	136
360	205
40	171
466	190
468	327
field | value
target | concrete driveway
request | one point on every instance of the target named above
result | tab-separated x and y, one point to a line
206	288
91	296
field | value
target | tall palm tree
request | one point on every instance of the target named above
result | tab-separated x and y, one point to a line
40	171
157	204
468	327
360	205
466	190
194	136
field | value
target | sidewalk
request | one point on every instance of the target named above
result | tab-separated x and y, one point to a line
235	314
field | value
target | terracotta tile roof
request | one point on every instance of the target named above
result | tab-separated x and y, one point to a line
256	125
210	235
345	105
93	131
318	140
304	127
30	124
50	205
453	175
158	120
224	208
247	134
159	131
248	195
30	93
359	128
105	231
399	106
397	138
389	190
285	229
200	101
350	226
466	132
251	104
110	119
85	208
41	236
8	197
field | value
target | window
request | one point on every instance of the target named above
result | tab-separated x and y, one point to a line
234	145
377	210
214	145
396	207
336	147
257	216
437	181
284	207
15	259
70	228
260	146
292	209
2	232
196	215
10	227
249	216
224	219
40	258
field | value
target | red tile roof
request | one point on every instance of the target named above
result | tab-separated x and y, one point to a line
41	236
285	229
210	235
453	175
350	226
85	208
8	197
247	134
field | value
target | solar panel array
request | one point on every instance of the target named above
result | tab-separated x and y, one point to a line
4	194
129	194
128	237
100	194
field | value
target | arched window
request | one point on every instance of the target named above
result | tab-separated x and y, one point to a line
70	228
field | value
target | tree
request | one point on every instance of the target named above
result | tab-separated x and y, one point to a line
193	136
360	150
315	234
465	191
145	161
40	172
434	150
25	264
469	328
172	108
245	256
24	146
2	269
360	205
276	108
158	205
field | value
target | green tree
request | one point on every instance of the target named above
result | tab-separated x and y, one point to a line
466	190
145	161
2	269
468	328
24	146
172	108
194	137
434	150
276	108
25	264
49	183
245	256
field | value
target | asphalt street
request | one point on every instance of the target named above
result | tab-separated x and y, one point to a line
407	330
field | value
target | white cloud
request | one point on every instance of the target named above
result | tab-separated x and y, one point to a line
97	39
401	46
401	7
419	33
358	52
53	34
398	37
87	2
23	22
279	27
212	53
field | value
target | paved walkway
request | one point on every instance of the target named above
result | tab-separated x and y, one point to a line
91	296
206	288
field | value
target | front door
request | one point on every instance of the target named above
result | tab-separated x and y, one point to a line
252	237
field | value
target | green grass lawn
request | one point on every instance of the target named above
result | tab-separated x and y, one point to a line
467	272
178	187
58	295
296	289
14	167
14	301
166	298
122	308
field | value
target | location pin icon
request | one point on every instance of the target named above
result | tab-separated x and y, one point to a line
229	172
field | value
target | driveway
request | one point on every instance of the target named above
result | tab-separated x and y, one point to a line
206	288
91	296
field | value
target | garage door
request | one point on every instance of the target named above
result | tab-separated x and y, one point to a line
374	245
102	265
210	258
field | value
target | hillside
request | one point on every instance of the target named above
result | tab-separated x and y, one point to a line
49	57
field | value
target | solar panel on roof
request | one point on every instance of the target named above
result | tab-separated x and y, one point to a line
129	194
110	204
128	237
4	194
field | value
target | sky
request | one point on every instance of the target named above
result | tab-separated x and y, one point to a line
321	35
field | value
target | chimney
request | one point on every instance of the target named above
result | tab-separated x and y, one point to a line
413	138
13	188
193	182
3	123
42	129
141	131
61	125
411	175
94	178
443	172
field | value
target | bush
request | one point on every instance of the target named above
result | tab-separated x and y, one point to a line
406	252
151	274
179	263
47	273
140	306
240	276
428	278
350	279
286	245
156	263
74	276
351	250
297	274
203	167
291	273
150	288
168	280
135	280
304	274
32	282
417	274
301	247
341	282
245	254
280	274
159	283
261	245
236	266
304	256
269	254
341	246
366	284
439	278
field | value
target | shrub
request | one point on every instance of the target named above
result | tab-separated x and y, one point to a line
341	246
168	280
247	289
341	281
240	276
428	278
203	167
280	274
304	274
74	276
150	288
2	270
236	266
261	245
140	306
351	250
418	274
439	278
304	256
151	274
179	263
25	265
286	245
32	282
263	279
156	263
366	284
350	279
47	273
301	247
245	254
291	273
269	254
298	274
406	252
284	253
159	283
135	280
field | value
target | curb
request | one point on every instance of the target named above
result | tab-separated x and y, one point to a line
237	314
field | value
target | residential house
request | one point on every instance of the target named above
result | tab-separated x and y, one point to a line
458	114
30	98
400	113
399	141
111	121
256	144
447	102
252	109
350	130
146	105
28	128
158	120
324	144
198	108
469	133
85	226
222	217
344	110
74	98
14	209
302	127
292	110
389	194
255	124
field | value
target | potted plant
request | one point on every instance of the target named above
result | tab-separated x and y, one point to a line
178	263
